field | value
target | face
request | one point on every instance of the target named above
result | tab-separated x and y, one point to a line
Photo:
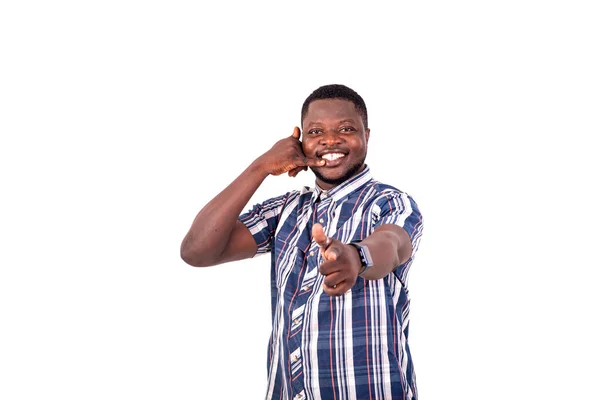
333	130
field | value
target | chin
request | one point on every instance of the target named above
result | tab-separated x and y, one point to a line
336	179
332	180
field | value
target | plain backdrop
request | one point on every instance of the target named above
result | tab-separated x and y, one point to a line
121	119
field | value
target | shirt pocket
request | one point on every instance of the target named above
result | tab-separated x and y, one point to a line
288	260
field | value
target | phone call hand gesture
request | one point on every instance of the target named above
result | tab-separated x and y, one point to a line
287	156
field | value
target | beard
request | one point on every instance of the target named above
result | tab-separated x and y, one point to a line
349	173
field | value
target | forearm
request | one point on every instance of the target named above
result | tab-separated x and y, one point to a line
216	236
390	247
211	230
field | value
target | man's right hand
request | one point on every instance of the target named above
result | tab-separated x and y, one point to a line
287	156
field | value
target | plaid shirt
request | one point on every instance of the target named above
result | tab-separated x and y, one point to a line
352	346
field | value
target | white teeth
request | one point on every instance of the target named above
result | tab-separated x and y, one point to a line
332	156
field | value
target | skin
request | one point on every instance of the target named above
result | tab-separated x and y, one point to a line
333	125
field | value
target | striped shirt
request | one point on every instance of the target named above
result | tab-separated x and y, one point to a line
353	346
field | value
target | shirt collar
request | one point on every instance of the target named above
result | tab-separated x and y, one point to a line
344	189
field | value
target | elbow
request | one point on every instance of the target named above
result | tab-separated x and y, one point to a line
194	259
188	257
187	252
194	256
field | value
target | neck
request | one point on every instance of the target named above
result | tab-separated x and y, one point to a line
332	184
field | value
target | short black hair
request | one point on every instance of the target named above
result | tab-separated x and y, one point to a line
337	92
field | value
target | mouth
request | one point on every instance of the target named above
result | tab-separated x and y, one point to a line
332	158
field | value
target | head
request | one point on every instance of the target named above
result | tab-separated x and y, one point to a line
335	127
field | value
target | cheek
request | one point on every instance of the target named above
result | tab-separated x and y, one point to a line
360	146
306	147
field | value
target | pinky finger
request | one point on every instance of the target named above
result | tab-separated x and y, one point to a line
294	171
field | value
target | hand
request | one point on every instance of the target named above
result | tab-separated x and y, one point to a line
341	266
287	156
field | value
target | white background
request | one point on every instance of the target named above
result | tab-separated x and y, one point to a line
121	119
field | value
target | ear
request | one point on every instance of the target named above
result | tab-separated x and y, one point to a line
367	134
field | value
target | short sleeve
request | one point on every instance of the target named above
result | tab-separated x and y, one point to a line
400	209
262	219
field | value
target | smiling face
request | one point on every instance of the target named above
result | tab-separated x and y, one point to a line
333	129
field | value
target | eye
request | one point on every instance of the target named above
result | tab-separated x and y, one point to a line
347	129
314	131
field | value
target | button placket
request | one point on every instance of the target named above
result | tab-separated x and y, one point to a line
295	361
299	302
300	396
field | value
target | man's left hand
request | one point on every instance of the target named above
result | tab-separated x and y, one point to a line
341	265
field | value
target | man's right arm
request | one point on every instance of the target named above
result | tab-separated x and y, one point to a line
216	235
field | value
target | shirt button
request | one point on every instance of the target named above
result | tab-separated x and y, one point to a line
322	220
312	253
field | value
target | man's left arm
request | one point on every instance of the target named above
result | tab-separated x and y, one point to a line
392	244
389	246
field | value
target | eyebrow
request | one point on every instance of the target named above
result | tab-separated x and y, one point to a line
339	122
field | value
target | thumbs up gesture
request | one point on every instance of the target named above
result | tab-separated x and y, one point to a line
341	265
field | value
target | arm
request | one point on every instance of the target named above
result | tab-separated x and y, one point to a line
216	236
393	241
389	246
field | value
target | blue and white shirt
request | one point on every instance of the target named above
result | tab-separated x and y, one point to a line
353	346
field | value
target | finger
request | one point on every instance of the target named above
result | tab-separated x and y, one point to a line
337	290
295	171
331	253
310	162
329	267
333	280
296	134
319	235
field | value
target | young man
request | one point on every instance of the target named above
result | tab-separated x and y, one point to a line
340	255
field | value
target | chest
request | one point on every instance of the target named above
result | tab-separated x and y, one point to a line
294	251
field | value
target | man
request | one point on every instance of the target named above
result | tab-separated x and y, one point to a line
340	254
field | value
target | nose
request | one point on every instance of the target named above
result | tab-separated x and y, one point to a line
330	137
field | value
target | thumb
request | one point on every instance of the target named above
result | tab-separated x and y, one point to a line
296	134
319	235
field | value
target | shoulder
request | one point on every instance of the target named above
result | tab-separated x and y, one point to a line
301	195
388	196
380	189
292	197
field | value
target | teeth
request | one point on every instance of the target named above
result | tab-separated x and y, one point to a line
332	156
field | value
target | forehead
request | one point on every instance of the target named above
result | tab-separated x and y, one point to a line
329	110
